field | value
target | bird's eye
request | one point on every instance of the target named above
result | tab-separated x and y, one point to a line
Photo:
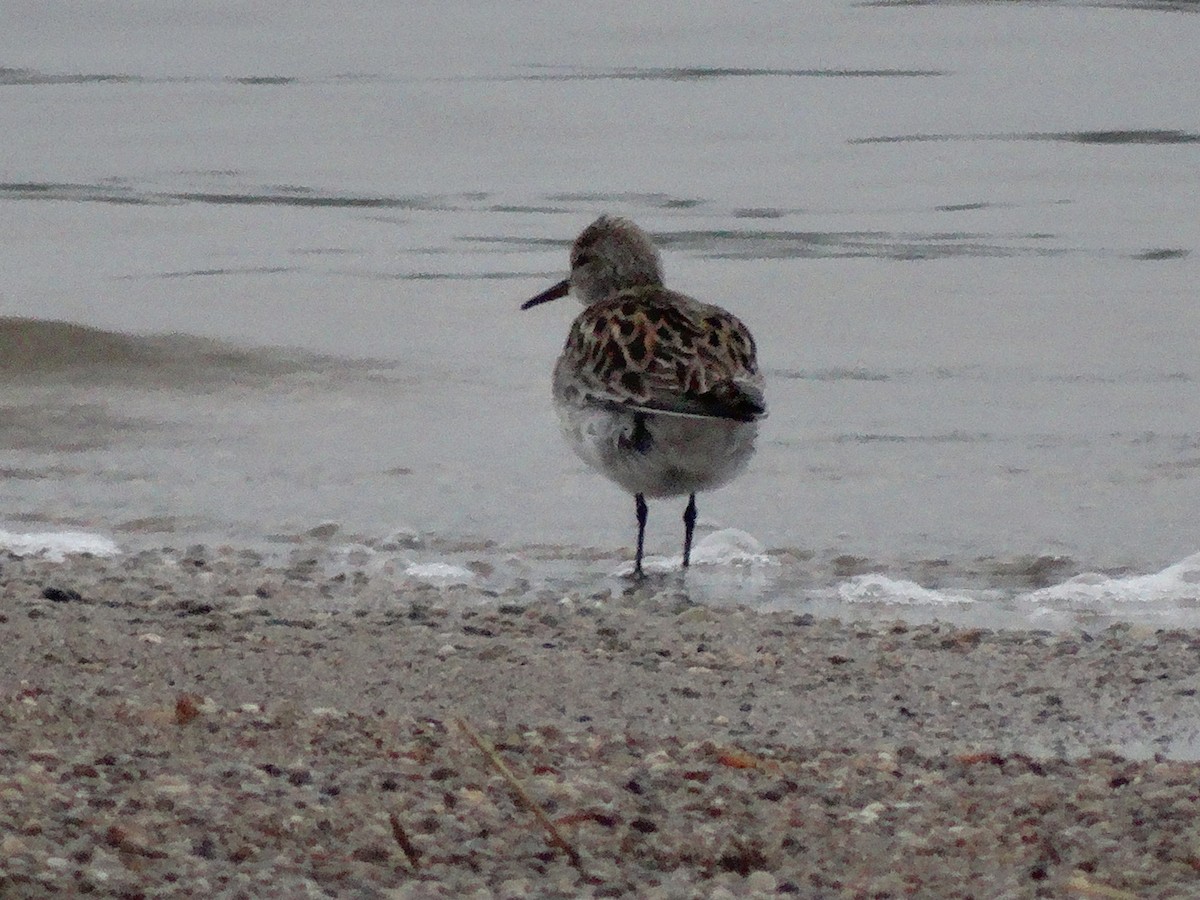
583	259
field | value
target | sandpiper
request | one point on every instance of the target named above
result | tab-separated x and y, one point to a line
659	392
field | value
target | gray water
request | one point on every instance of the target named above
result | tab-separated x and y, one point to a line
964	235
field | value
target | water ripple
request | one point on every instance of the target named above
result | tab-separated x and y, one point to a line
1102	136
118	192
705	73
32	77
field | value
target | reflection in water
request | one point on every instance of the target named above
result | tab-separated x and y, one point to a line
36	350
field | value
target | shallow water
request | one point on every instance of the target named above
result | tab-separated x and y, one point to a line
964	235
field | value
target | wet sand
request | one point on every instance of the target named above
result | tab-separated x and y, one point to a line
203	723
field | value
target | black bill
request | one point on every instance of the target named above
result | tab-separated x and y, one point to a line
551	293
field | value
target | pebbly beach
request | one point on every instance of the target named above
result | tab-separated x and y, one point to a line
211	723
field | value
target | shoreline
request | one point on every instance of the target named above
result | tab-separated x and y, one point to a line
206	718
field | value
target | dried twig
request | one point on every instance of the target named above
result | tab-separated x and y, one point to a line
1083	887
401	836
522	795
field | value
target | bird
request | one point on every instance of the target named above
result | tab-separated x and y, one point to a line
657	391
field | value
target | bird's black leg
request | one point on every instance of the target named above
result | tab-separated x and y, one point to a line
689	524
640	503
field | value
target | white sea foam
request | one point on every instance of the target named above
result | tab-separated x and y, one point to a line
881	589
1176	585
729	546
57	545
439	573
726	547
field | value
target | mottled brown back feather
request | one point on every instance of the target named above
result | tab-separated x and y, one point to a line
656	349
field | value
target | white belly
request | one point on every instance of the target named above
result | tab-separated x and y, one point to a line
663	455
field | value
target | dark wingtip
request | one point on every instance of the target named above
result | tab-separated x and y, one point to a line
729	400
551	293
725	400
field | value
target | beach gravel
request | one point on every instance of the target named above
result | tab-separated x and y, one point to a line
203	723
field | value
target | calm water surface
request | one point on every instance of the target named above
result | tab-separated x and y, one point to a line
965	236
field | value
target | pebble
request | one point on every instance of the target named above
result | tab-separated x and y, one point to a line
760	882
515	889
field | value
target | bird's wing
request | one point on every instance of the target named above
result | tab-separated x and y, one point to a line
657	350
